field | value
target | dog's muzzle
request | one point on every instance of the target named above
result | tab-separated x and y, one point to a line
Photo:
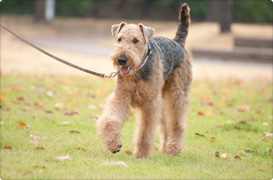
122	60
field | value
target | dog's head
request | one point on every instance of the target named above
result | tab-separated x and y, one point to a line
130	45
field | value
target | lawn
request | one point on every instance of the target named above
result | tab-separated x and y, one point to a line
47	119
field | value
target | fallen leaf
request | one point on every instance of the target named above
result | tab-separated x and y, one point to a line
243	122
267	134
74	132
212	141
238	127
92	106
21	124
48	112
40	148
224	155
70	113
252	119
217	154
8	147
237	157
28	172
59	105
270	150
20	99
82	149
39	105
34	136
119	163
65	122
219	126
62	158
266	124
243	108
128	152
248	151
39	167
34	139
209	112
2	97
49	93
230	122
200	113
199	134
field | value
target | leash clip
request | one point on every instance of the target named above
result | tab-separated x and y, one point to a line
113	74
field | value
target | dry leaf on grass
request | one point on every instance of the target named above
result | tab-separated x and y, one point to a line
267	134
119	163
128	152
59	105
248	151
74	132
223	156
202	135
65	122
62	158
237	157
79	148
39	167
71	113
266	124
7	147
38	105
230	122
243	108
34	139
92	106
217	154
40	148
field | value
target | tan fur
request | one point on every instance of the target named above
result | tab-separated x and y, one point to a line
156	101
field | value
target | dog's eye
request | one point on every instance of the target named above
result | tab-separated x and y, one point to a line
135	41
119	39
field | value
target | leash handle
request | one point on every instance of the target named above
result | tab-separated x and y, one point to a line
57	58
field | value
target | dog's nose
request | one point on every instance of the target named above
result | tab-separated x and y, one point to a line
122	60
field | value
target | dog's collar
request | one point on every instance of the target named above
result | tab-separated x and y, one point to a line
146	58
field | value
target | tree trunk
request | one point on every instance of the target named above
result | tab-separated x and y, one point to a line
220	11
40	6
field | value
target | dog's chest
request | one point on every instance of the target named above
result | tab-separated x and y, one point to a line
141	94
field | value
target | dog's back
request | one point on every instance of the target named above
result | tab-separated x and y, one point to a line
173	51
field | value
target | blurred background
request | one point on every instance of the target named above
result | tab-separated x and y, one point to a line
227	38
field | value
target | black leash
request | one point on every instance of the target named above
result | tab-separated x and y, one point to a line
59	59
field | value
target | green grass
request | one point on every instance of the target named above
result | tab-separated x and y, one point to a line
28	100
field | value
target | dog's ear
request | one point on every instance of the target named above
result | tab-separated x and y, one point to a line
116	28
148	32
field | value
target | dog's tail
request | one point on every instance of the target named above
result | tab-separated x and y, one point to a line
184	22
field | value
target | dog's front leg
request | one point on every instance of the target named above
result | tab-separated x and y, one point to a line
114	115
148	117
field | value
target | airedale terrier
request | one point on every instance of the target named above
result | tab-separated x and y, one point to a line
154	77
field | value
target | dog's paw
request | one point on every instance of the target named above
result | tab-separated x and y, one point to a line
117	149
173	150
